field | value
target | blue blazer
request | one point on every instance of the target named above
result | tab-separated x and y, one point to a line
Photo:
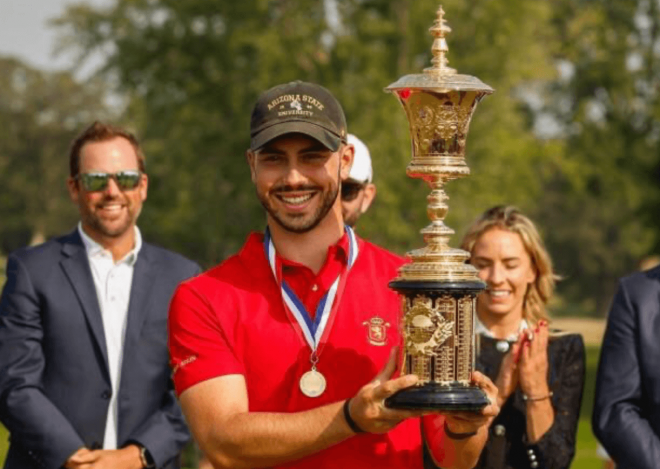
626	416
54	380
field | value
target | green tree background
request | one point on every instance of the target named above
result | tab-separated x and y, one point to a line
39	115
570	136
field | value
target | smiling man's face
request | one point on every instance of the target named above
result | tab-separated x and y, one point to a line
297	180
111	212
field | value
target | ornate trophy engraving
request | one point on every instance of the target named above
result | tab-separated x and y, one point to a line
438	287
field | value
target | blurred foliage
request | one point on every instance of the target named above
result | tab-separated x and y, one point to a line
39	115
194	69
570	136
602	191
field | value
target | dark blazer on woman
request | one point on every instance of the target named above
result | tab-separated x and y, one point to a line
507	445
54	379
626	416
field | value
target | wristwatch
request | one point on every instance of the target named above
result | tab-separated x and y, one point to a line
145	457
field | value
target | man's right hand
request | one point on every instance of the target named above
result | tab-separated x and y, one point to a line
124	458
368	409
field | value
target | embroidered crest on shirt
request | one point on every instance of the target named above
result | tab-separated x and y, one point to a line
376	331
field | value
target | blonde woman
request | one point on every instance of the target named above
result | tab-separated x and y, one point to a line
539	372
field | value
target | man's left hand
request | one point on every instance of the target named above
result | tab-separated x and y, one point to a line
469	422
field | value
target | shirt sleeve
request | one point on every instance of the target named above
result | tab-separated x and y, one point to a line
556	448
199	347
434	436
625	404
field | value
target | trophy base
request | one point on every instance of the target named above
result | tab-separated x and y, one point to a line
433	396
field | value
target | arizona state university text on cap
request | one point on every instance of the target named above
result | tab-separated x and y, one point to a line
298	107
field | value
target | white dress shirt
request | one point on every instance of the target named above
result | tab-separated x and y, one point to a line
113	290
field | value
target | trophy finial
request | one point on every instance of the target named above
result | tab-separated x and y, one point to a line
439	30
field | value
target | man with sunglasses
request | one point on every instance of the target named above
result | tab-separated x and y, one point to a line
284	354
357	191
84	375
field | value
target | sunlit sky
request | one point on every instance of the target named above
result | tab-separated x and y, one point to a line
25	33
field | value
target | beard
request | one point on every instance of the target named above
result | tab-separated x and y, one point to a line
351	218
112	228
300	223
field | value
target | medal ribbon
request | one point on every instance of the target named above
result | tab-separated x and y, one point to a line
312	329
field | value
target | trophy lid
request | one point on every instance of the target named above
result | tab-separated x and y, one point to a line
440	77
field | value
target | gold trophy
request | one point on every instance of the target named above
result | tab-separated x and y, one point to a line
439	289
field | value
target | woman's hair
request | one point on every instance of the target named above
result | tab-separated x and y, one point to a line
509	218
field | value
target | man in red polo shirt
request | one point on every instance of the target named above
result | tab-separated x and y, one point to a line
284	353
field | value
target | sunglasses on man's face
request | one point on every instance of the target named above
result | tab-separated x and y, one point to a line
350	190
126	180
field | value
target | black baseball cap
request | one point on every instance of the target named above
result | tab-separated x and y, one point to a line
298	107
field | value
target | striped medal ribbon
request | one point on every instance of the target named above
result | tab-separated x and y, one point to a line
312	383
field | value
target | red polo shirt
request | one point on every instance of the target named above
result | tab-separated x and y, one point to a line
231	320
310	287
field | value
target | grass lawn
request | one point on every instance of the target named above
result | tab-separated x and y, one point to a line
585	457
4	444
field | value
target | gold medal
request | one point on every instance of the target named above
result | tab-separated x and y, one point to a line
312	383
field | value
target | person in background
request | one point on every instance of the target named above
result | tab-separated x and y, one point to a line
357	191
626	417
84	374
284	354
539	373
646	263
